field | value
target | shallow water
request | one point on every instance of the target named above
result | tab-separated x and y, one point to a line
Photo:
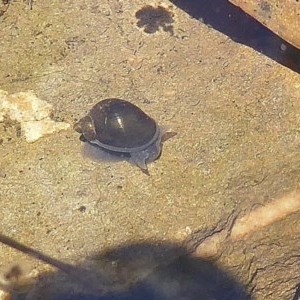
236	113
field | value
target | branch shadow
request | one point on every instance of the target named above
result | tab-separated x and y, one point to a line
149	270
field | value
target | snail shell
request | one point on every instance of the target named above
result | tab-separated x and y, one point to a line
120	127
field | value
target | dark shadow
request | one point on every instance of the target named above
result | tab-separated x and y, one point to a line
146	271
242	28
297	293
151	19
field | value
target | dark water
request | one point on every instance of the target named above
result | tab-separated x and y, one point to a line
242	28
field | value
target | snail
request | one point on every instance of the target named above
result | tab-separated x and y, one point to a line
121	128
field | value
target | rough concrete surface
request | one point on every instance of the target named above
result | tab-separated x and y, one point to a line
236	114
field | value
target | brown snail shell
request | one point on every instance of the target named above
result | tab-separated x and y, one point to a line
120	127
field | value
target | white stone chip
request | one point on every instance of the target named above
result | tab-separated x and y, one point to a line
32	113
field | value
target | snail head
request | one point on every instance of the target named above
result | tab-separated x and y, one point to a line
86	127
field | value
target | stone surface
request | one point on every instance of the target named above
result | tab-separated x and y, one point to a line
236	114
281	16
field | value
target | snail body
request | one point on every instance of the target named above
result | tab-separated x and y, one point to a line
121	128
